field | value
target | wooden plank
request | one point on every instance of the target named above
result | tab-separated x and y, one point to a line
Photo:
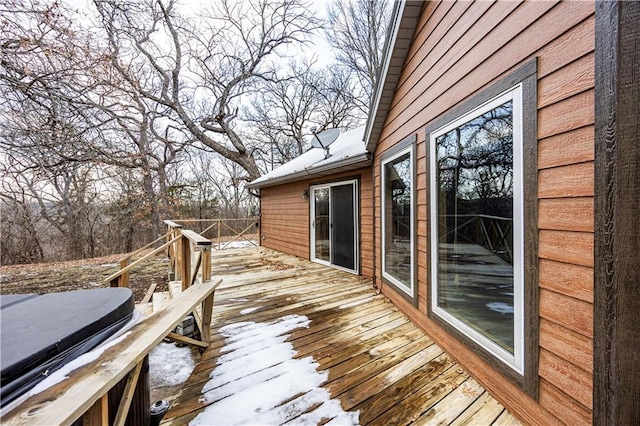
571	313
146	309
196	238
567	377
566	214
569	114
160	299
573	147
570	346
506	419
149	293
142	259
562	405
617	209
188	340
449	408
576	42
98	414
485	410
576	77
67	400
127	396
564	278
567	247
574	180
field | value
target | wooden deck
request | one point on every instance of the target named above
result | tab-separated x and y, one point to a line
374	360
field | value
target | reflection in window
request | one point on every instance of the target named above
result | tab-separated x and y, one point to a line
397	199
475	187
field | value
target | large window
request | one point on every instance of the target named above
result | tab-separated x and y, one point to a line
476	193
398	219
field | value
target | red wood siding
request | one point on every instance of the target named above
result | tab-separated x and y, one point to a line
285	217
460	48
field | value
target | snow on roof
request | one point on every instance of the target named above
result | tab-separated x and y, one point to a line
347	153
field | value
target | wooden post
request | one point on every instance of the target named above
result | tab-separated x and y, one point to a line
206	264
616	335
207	313
127	396
219	226
98	414
185	256
123	280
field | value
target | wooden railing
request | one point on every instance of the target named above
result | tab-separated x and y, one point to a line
85	392
494	233
223	232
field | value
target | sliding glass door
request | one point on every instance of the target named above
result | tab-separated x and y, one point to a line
334	225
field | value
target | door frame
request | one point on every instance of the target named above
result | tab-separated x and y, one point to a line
356	224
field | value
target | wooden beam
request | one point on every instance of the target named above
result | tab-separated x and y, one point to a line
98	414
127	396
69	399
616	378
187	340
172	224
207	312
196	238
185	256
142	259
149	293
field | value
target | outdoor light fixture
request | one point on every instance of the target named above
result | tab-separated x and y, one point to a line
305	194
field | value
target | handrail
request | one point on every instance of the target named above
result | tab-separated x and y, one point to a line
196	238
172	224
86	388
147	246
143	258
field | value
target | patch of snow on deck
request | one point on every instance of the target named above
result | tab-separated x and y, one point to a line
257	380
169	365
500	307
248	310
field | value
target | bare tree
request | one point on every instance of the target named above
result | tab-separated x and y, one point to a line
203	73
357	31
283	113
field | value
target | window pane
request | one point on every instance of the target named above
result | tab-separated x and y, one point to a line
475	220
397	211
321	198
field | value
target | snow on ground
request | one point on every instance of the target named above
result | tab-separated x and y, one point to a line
248	310
169	365
236	244
257	380
500	307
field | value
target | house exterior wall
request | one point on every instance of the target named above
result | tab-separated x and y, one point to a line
460	48
285	216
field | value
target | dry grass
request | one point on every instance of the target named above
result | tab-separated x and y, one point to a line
81	274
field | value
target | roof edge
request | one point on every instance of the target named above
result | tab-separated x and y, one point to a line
389	43
360	160
405	17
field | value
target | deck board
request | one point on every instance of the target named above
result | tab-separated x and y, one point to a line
376	361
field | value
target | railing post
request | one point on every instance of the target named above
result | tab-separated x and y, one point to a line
206	264
185	255
123	280
219	226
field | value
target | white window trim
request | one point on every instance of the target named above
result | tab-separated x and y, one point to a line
356	215
515	360
397	283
